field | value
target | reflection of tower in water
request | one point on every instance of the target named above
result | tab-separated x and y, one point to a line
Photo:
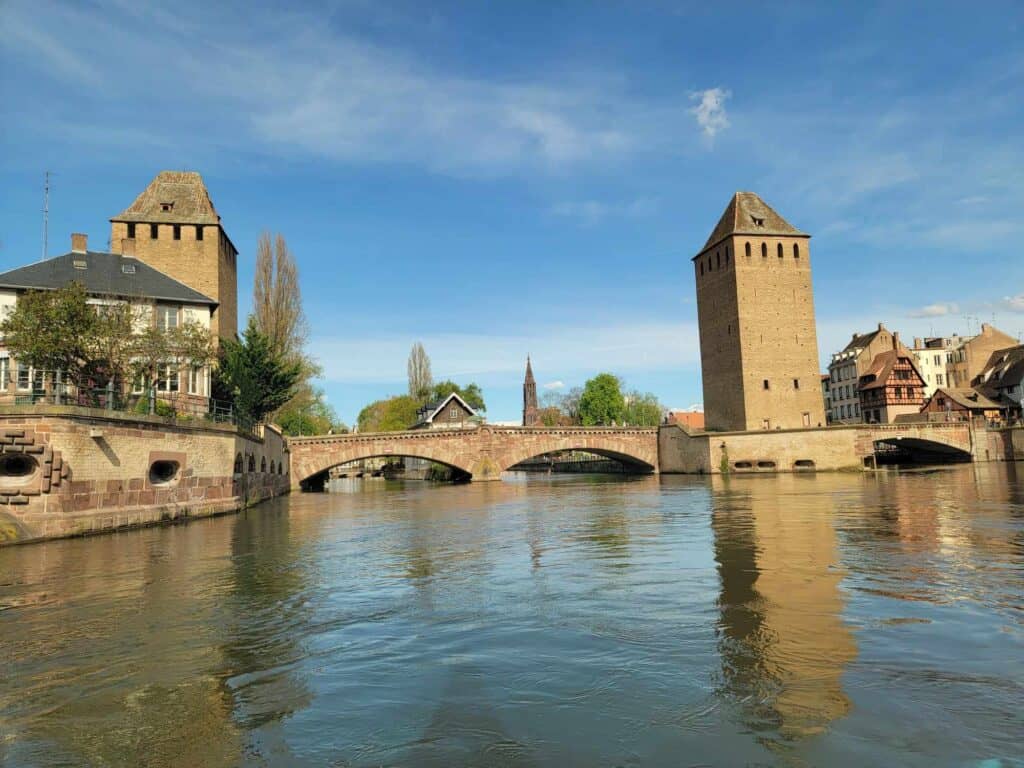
782	640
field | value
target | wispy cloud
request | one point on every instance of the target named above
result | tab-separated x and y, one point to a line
555	385
710	112
940	309
288	82
1014	303
592	211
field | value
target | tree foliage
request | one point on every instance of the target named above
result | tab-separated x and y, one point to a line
93	344
52	330
391	415
642	410
602	403
418	369
471	393
260	380
277	298
308	413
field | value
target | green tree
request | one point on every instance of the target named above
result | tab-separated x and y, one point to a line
601	403
52	330
471	393
308	413
259	380
154	350
391	415
642	410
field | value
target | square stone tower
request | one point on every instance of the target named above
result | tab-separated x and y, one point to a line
175	229
755	309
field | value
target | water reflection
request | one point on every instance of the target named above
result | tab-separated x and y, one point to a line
806	620
783	643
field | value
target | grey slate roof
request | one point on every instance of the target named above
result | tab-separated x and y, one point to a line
182	191
103	275
748	214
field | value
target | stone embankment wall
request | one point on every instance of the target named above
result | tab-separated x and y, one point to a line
68	471
789	450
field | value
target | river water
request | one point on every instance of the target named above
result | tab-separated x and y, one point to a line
833	620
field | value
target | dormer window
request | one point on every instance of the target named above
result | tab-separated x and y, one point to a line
166	207
757	222
128	269
79	264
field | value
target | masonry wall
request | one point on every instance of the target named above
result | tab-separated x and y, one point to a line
756	317
208	265
69	471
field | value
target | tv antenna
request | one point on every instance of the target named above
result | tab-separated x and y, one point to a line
46	214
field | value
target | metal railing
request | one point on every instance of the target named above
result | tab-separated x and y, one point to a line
182	407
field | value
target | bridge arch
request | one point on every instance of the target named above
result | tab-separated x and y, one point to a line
910	449
482	453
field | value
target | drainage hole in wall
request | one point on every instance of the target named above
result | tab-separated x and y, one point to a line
162	472
17	465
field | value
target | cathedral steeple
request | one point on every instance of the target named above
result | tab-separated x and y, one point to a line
530	416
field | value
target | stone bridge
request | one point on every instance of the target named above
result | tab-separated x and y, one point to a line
481	454
939	438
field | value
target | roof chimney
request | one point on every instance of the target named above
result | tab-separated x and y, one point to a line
128	247
881	327
896	340
79	242
918	344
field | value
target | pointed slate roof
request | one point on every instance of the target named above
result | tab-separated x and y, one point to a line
748	214
173	197
529	371
102	274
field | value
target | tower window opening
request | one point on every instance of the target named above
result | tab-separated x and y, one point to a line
727	255
779	249
718	260
199	231
154	231
764	250
796	383
702	267
796	251
748	250
166	207
765	384
131	230
177	231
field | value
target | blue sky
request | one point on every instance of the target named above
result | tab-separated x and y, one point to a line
497	179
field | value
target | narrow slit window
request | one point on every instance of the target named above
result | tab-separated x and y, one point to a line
154	231
748	250
177	231
764	384
779	250
764	250
199	231
796	251
131	230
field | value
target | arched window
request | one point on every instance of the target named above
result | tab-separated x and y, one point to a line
764	250
780	250
796	251
702	266
252	463
748	250
718	260
727	255
238	464
263	464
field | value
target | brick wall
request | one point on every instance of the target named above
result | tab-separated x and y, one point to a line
67	471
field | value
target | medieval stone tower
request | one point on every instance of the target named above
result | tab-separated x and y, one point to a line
173	227
755	309
530	416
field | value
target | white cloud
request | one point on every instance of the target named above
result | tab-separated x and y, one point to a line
555	385
288	82
592	211
1014	303
710	113
935	310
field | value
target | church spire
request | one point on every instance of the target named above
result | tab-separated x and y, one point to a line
530	416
